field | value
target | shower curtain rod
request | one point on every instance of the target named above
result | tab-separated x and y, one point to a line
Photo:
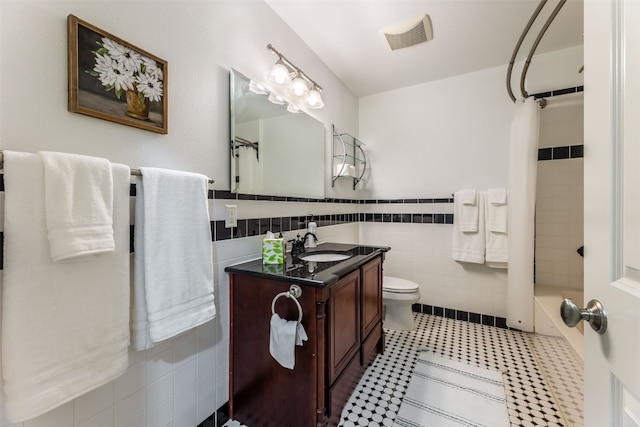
543	30
525	31
135	172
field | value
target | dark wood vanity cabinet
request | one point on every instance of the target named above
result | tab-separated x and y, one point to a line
371	296
344	324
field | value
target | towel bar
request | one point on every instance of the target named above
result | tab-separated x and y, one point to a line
135	172
294	292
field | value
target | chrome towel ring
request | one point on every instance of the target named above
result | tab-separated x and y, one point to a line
294	292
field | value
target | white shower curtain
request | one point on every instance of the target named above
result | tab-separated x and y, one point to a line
522	175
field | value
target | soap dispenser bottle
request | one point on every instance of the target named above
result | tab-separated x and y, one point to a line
311	235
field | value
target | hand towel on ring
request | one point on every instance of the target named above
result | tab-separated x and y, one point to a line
284	335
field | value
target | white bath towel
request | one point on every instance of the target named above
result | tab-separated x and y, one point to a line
467	197
497	210
78	205
173	279
497	196
469	246
65	326
497	241
466	209
284	335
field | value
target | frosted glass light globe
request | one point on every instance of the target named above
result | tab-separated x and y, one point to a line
314	100
299	87
279	74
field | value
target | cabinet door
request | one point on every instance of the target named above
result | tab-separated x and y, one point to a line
344	323
259	386
371	295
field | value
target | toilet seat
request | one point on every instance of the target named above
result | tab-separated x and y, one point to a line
398	286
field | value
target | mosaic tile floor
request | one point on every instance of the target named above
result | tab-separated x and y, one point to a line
564	372
531	402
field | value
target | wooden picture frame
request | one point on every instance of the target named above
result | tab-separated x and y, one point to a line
114	80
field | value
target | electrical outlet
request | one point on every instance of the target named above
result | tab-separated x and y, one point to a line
231	216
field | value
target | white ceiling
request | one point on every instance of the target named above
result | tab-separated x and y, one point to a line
469	35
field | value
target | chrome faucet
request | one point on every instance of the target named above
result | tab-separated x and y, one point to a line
297	245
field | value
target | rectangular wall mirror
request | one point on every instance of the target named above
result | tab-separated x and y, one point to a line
274	152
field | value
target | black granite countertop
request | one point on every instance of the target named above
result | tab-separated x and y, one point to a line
311	273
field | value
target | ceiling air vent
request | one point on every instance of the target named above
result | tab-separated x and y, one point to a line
408	33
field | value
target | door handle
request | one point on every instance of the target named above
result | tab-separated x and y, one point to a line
594	314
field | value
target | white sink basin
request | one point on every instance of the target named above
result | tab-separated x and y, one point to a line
324	256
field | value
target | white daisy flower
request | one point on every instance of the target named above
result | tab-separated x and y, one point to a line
149	86
113	47
122	54
150	67
104	63
118	77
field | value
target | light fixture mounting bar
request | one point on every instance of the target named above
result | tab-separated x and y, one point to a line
293	67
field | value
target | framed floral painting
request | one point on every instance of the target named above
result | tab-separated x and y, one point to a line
114	80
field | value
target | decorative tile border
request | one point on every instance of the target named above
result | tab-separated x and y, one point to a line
132	191
466	316
558	92
557	153
258	226
228	195
222	417
384	201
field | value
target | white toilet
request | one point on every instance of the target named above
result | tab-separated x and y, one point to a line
397	297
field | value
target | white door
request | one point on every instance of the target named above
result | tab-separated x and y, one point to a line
612	209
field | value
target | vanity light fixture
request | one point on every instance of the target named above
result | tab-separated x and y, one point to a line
299	85
276	99
257	88
293	109
279	74
314	100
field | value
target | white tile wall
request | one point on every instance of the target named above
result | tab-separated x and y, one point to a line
559	197
561	121
422	253
559	223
